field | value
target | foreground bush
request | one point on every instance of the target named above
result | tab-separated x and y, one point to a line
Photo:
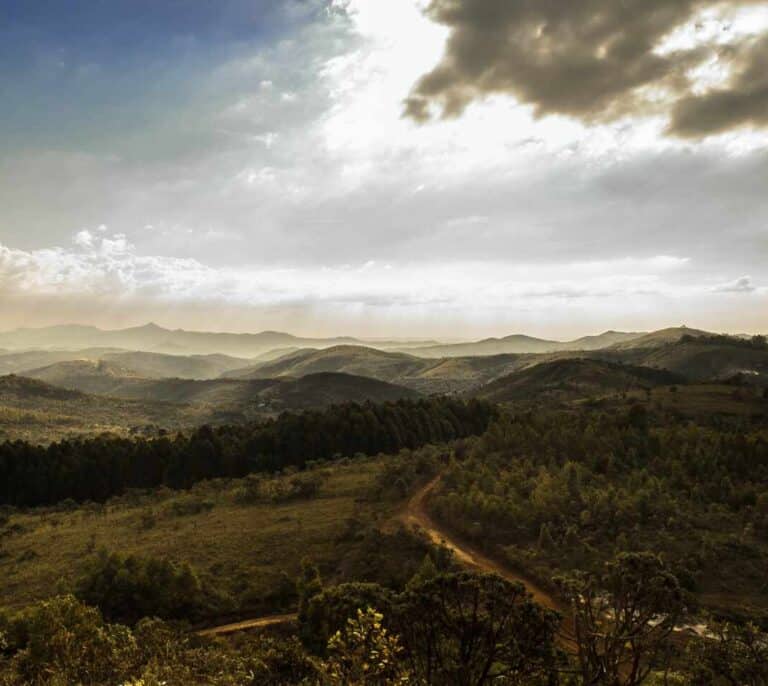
127	588
63	641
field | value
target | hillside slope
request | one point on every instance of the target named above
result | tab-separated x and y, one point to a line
426	375
520	344
39	412
154	338
659	338
22	361
567	379
349	359
332	388
160	365
87	376
702	360
266	395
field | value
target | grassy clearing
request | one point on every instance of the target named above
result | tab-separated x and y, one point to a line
697	401
701	400
245	549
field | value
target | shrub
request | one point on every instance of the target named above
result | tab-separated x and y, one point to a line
327	612
66	638
184	507
127	588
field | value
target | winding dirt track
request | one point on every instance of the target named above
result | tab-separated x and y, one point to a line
414	516
258	623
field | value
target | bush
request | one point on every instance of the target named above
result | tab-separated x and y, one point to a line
127	588
184	507
328	611
296	487
70	640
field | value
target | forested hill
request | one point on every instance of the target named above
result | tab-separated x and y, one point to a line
97	468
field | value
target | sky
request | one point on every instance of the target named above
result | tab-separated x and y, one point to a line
439	168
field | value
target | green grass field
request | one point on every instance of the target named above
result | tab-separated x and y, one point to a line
243	548
701	400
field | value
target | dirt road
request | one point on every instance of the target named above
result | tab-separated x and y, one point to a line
257	623
414	516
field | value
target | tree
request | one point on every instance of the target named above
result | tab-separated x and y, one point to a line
70	640
127	588
364	653
469	630
733	655
546	542
327	612
623	618
308	585
426	571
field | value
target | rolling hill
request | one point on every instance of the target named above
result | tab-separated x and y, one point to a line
659	338
40	412
87	376
161	365
349	359
331	388
425	375
154	338
158	365
521	344
568	379
37	411
265	395
21	361
176	402
710	360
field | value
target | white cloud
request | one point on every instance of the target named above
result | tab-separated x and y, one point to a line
741	285
110	264
83	238
366	298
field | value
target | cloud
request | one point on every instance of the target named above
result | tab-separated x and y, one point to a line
108	265
743	102
596	61
109	282
741	285
262	201
83	238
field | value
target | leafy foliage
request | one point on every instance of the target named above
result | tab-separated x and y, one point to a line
66	638
729	654
127	588
364	653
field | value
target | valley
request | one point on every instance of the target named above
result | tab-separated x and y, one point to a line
252	499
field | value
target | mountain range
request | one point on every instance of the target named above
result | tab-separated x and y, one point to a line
60	392
266	344
154	338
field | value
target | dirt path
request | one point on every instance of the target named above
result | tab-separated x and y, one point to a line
258	623
414	516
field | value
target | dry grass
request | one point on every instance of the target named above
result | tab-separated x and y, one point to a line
706	399
244	548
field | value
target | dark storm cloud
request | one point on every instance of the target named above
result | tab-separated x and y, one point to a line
744	102
588	59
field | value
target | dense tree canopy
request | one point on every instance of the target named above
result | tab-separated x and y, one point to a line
95	469
555	491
